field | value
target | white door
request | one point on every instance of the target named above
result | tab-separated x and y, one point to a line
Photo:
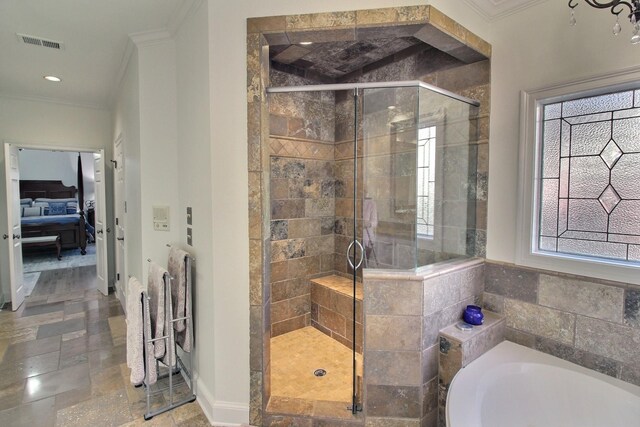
12	175
120	212
100	223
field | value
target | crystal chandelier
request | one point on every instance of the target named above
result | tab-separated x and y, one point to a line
616	7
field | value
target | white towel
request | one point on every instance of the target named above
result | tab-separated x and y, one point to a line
135	336
156	291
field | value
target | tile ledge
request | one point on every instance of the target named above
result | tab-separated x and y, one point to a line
491	319
423	273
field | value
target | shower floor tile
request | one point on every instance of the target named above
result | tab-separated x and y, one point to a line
296	355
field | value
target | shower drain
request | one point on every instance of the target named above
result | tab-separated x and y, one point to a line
319	372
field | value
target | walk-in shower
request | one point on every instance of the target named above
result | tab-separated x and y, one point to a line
362	175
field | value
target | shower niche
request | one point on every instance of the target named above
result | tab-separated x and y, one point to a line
362	176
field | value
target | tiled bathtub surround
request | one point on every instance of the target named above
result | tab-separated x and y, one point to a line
591	322
403	314
459	348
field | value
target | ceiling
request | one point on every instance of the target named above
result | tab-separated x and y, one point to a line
94	34
330	61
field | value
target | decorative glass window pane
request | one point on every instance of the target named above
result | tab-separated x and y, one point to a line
589	192
426	180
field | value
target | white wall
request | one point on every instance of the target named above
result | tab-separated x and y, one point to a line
36	123
158	145
194	180
127	129
533	49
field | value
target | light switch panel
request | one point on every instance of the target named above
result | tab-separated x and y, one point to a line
189	217
189	237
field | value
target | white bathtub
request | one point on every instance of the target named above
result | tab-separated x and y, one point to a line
515	386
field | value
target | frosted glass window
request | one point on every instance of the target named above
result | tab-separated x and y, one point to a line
589	197
426	180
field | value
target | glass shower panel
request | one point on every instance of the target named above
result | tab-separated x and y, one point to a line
419	171
390	176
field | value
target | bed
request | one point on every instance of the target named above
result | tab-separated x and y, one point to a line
49	208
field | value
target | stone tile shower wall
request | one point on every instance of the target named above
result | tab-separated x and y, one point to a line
591	322
448	35
302	199
403	316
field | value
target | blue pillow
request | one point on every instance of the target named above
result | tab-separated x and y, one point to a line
57	208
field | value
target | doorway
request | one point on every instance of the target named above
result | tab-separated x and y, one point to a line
58	200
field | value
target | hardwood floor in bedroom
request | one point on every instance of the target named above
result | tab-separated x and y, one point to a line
63	359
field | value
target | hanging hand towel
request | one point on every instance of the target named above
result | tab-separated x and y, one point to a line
156	291
177	270
135	336
183	338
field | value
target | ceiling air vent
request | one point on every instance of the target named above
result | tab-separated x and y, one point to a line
39	41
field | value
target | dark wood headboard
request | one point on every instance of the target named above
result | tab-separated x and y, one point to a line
46	189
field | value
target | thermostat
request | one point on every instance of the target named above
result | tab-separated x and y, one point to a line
161	218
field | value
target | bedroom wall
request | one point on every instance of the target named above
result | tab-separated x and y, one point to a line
43	123
58	165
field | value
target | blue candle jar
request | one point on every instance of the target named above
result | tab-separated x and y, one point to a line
473	315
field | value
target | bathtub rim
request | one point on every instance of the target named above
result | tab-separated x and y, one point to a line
510	352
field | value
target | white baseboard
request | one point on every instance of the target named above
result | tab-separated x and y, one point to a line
218	412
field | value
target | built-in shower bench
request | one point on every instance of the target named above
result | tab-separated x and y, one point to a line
332	308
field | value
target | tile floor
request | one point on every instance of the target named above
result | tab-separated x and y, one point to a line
296	355
63	360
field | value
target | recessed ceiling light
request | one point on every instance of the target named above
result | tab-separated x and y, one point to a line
391	107
52	78
306	43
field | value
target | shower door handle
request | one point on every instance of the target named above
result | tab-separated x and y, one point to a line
355	242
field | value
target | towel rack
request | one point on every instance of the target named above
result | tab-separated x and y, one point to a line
177	368
190	257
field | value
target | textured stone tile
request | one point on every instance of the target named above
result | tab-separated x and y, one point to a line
632	307
288	208
630	373
608	339
286	421
113	406
393	368
493	302
392	332
391	422
60	328
581	297
40	413
25	349
520	337
511	282
571	354
32	366
538	320
393	401
393	298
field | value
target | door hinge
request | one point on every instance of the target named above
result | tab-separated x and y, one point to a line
116	221
118	276
125	207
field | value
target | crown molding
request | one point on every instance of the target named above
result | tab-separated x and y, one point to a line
35	98
493	10
184	10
